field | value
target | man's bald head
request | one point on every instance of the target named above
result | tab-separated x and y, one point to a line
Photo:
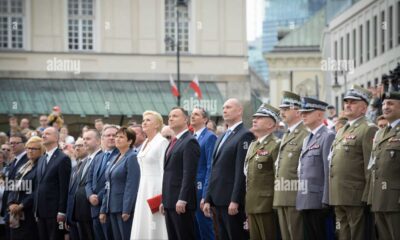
232	111
50	137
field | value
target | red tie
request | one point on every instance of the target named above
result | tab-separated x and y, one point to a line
171	146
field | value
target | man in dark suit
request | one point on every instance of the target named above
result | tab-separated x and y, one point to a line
96	181
226	190
80	155
179	179
17	143
206	139
82	212
54	169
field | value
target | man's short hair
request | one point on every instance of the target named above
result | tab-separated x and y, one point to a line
183	110
98	120
19	135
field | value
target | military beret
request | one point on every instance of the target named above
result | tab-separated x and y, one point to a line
358	93
266	110
312	104
290	99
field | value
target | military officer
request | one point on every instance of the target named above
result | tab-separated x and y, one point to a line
312	196
290	221
385	167
259	171
349	157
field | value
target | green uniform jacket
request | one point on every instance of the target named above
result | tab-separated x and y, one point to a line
259	171
385	177
286	166
348	175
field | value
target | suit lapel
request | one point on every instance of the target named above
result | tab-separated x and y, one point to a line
315	140
236	130
391	134
175	147
260	146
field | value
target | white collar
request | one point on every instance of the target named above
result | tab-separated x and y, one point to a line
91	156
294	126
20	156
261	139
51	152
199	132
316	129
354	120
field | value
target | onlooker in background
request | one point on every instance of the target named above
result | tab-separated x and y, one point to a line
3	160
42	123
24	125
80	155
55	119
6	148
167	132
340	122
20	201
332	115
65	137
54	169
99	124
2	222
3	138
95	187
140	137
85	128
220	130
122	176
212	126
14	127
381	121
375	104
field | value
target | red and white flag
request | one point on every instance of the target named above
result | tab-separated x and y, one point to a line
194	84
174	89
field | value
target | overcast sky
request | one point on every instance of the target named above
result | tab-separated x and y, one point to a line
255	13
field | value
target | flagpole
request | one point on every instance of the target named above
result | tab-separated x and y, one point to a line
177	56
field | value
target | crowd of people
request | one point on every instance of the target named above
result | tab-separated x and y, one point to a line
300	172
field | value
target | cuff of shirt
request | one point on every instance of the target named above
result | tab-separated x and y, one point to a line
181	201
60	213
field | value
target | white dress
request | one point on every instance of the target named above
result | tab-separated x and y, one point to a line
151	161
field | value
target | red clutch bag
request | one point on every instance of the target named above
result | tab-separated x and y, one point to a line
154	203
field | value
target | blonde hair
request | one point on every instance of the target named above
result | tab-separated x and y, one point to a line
36	139
158	118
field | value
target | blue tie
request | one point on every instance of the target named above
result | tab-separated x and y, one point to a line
224	139
104	161
309	139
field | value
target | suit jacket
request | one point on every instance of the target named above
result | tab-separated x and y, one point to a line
96	180
10	174
314	170
180	167
350	155
287	163
385	177
73	185
82	209
227	180
207	142
122	183
259	171
52	185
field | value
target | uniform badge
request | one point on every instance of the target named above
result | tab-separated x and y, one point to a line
391	154
292	143
296	130
315	146
290	155
349	137
261	152
259	166
346	148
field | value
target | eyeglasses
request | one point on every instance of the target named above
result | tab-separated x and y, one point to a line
168	137
15	143
32	149
78	145
6	149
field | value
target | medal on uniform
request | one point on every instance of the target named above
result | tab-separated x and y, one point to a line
259	166
290	155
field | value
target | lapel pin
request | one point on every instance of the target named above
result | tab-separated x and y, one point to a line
259	166
290	155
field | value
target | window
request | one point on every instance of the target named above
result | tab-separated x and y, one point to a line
390	26
12	26
361	44
354	47
367	40
375	37
335	54
80	25
341	48
368	84
348	46
171	27
383	29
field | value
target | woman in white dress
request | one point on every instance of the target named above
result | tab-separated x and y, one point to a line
151	161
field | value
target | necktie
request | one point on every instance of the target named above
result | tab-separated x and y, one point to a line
195	135
347	126
45	162
310	137
224	139
86	167
387	130
104	162
171	146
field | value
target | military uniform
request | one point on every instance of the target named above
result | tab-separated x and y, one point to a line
348	187
312	197
259	171
290	221
385	181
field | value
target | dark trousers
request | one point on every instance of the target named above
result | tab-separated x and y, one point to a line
73	231
182	226
121	230
314	223
85	230
102	231
48	229
231	227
